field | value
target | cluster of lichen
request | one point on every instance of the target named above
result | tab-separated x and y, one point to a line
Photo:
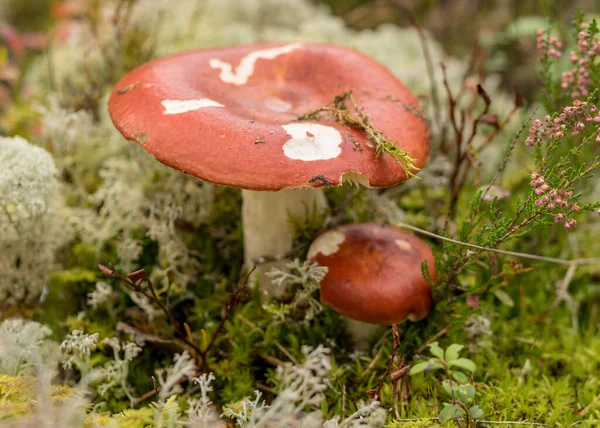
102	200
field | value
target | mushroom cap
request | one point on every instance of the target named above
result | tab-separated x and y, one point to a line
374	273
229	115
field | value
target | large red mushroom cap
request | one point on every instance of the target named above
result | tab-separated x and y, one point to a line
229	116
374	273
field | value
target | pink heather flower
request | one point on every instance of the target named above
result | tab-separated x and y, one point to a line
570	224
551	206
539	203
573	57
575	207
558	218
539	191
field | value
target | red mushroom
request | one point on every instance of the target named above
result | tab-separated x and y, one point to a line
374	273
230	116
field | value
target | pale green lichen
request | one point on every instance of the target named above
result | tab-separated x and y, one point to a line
33	219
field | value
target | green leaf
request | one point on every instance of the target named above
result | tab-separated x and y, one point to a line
475	412
460	377
464	363
453	351
430	365
435	350
451	411
418	368
504	298
447	384
465	393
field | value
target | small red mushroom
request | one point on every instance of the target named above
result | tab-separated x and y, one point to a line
203	111
374	273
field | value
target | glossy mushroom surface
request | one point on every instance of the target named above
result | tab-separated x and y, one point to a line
374	273
229	115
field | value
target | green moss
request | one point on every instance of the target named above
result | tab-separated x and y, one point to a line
129	418
19	395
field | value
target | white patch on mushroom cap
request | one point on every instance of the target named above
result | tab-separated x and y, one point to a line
245	68
327	243
183	106
403	244
312	141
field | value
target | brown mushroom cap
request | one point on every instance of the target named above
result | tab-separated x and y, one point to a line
374	273
229	115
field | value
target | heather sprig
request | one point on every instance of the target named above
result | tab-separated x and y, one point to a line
548	45
558	141
579	80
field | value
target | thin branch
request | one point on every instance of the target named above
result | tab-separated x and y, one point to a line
375	394
535	424
134	281
565	262
435	99
589	406
233	300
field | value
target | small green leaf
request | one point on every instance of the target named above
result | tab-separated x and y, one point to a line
466	394
464	363
429	365
475	412
435	364
451	411
504	298
460	377
435	350
418	368
453	351
447	387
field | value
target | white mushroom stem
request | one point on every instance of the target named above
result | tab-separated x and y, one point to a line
267	232
360	332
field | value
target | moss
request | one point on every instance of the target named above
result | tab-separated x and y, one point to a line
19	395
535	364
129	418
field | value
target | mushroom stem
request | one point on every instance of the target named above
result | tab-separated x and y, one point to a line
265	218
360	332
